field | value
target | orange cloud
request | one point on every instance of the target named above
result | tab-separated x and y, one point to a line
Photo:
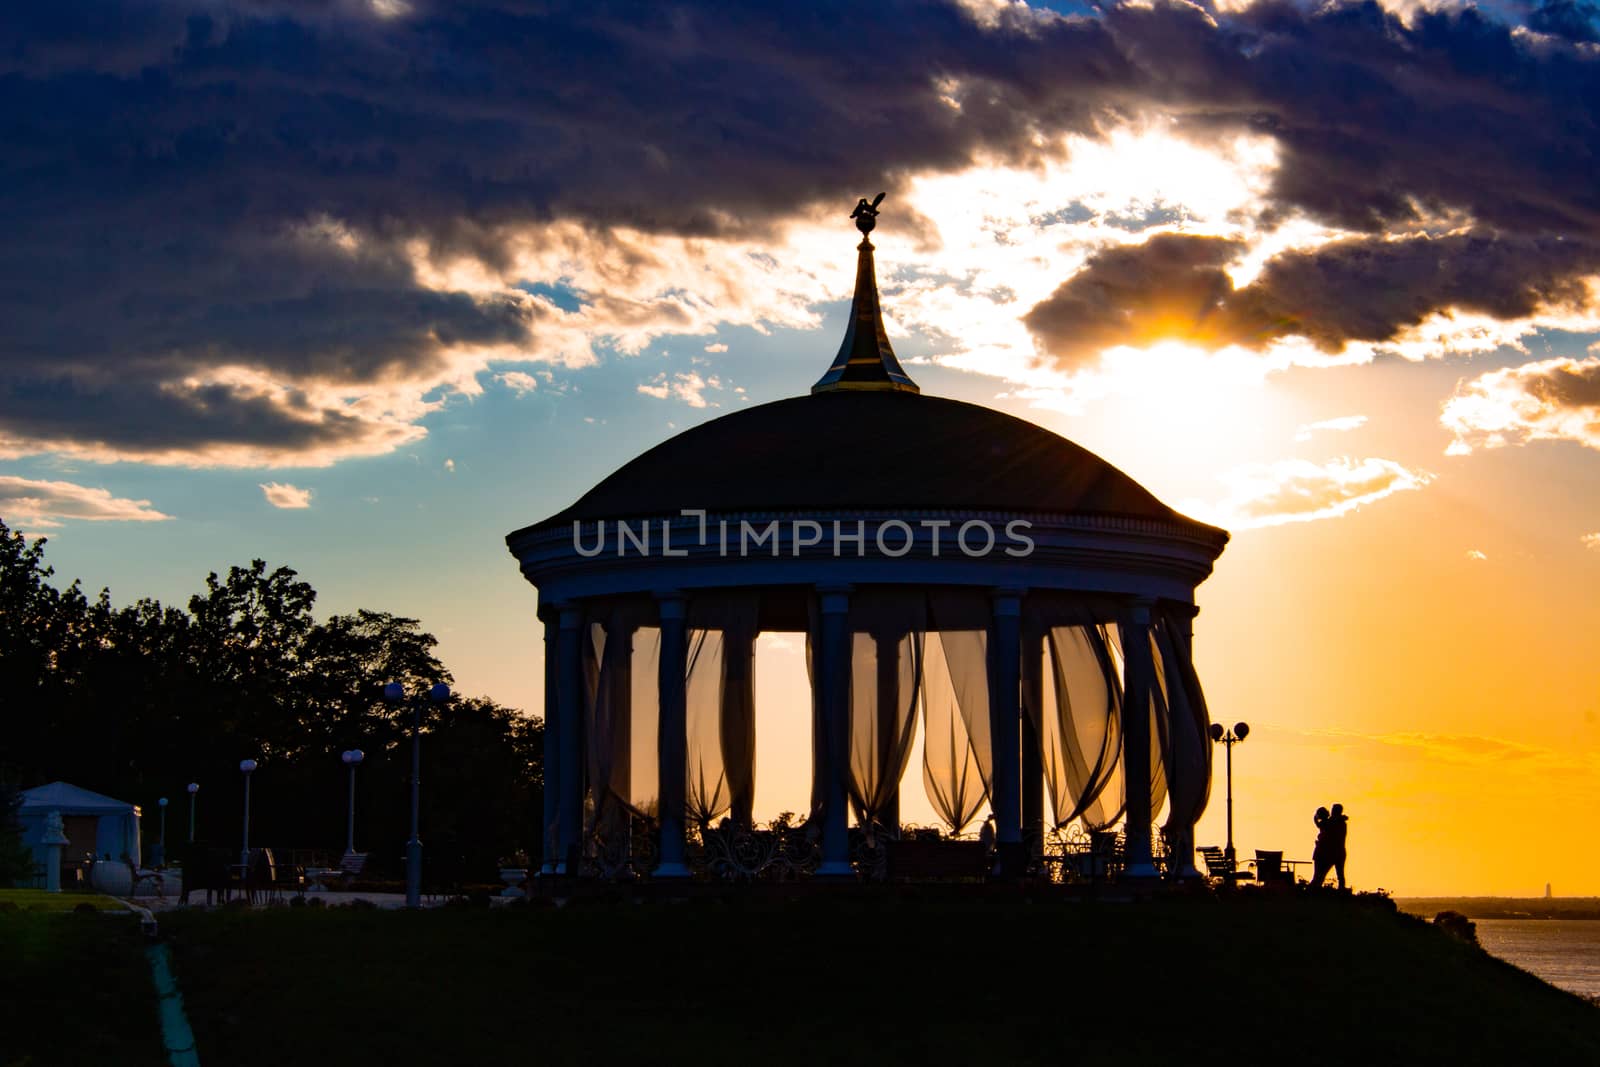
30	503
689	388
1551	400
1297	490
283	495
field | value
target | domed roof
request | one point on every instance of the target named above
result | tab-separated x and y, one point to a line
867	440
872	451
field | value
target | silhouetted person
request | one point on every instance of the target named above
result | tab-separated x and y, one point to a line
1337	828
1320	857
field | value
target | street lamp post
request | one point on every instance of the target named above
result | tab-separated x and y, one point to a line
194	787
395	693
160	850
1229	738
351	759
246	766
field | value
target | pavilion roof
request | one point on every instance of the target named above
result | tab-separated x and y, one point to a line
867	451
72	799
865	439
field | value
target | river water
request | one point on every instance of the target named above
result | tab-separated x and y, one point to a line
1564	952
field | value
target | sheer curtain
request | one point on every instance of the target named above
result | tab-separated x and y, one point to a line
621	647
951	774
1188	742
957	757
642	789
1160	742
721	706
943	671
886	668
1077	715
933	648
706	792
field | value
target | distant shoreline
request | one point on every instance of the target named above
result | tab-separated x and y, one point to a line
1504	907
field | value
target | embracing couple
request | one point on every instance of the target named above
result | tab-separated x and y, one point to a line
1332	826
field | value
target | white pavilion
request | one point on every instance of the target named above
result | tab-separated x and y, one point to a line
955	570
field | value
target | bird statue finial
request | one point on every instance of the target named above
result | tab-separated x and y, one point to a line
865	214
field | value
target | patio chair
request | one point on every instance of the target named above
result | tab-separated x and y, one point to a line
265	878
1220	867
1270	869
154	880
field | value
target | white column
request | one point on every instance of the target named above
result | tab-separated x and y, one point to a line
887	649
1005	730
1033	683
738	697
549	832
617	826
672	744
569	684
1139	680
833	675
1181	846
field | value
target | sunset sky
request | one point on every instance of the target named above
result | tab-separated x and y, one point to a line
362	286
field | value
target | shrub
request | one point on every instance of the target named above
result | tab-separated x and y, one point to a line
1457	925
16	859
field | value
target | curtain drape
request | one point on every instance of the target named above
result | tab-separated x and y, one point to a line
951	774
621	649
1188	743
926	650
886	670
1160	743
706	793
721	706
957	704
1079	725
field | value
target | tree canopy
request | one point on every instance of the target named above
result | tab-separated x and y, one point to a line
138	701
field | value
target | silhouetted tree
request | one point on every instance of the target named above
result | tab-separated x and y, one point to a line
138	701
16	860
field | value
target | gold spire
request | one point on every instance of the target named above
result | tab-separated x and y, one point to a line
865	360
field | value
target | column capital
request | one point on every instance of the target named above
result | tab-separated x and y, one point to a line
1007	599
618	628
835	598
571	614
1139	609
670	604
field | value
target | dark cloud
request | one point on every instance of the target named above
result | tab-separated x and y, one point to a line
168	165
163	161
1573	385
1174	287
1371	289
1171	287
1572	19
1380	121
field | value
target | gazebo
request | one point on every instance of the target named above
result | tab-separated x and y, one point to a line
1024	602
95	826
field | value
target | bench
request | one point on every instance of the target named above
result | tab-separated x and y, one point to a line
1219	866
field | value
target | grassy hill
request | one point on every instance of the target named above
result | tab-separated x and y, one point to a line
74	989
852	977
